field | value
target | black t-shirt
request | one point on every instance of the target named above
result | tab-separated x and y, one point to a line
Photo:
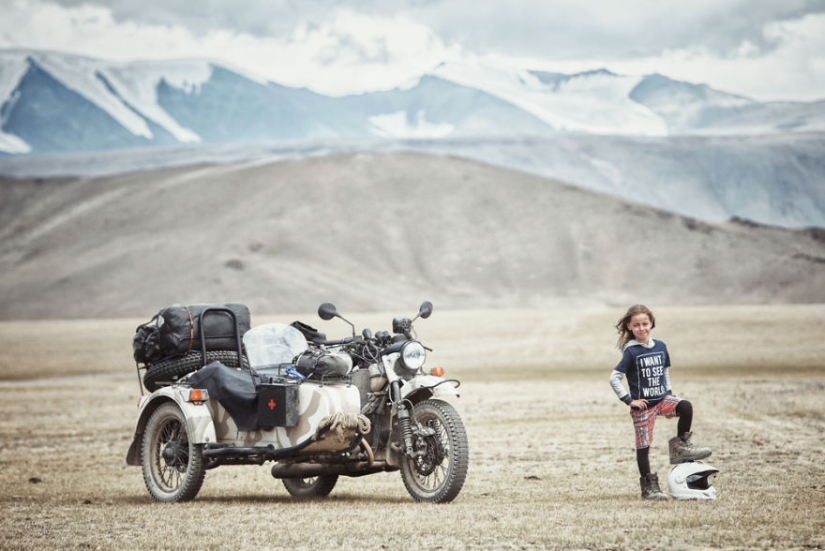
645	371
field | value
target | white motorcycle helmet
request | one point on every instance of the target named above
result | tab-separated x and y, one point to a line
692	480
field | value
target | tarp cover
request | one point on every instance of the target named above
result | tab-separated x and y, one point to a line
234	389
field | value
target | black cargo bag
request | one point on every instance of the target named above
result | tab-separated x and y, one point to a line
176	331
145	344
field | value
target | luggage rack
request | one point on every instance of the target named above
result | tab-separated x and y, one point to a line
204	353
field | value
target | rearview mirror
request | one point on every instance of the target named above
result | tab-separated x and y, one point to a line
327	311
425	310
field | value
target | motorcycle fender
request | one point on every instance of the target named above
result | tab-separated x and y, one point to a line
437	387
199	424
418	389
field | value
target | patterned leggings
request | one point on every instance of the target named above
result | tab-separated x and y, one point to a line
643	421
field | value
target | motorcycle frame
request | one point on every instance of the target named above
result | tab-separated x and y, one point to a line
414	390
274	444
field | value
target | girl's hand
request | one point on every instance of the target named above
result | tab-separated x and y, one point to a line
638	404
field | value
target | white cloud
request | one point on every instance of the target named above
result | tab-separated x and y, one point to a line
351	53
794	69
754	48
356	52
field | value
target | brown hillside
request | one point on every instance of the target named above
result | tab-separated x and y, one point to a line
371	231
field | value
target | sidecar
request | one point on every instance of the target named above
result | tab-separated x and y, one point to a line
221	415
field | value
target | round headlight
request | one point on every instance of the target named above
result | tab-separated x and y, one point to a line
413	356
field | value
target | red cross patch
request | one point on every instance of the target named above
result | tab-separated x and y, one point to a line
271	404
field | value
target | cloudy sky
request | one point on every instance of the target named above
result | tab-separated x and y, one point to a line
764	49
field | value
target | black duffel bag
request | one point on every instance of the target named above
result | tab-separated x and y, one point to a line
176	331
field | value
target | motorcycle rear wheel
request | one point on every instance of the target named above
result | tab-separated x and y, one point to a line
438	475
173	467
317	486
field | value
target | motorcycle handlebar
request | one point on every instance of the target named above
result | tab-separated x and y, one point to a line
395	347
380	344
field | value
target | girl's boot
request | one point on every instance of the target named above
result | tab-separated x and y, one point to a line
682	451
650	487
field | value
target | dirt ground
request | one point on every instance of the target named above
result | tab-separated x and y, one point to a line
551	448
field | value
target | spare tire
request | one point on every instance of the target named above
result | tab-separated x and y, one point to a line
168	371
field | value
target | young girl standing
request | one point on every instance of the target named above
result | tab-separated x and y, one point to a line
645	363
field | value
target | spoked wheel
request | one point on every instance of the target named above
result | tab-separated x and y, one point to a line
438	471
173	467
318	486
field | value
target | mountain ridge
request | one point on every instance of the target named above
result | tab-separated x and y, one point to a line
680	146
772	179
181	98
372	231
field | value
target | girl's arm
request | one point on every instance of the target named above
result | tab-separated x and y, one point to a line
616	383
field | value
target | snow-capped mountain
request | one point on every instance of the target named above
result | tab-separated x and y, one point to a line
53	102
61	103
679	146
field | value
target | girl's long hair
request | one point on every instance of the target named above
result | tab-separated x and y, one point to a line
625	334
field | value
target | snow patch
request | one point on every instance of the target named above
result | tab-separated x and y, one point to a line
9	143
597	102
137	84
80	75
134	85
12	69
397	125
409	84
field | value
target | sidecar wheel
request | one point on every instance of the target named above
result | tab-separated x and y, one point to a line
173	467
318	486
438	474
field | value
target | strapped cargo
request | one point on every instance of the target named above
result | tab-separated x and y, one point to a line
176	331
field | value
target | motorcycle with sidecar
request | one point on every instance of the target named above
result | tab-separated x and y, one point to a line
317	408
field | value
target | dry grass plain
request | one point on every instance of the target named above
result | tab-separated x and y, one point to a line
552	463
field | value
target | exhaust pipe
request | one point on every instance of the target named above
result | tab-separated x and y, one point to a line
308	470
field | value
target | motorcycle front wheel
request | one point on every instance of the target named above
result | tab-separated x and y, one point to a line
173	467
318	486
438	472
